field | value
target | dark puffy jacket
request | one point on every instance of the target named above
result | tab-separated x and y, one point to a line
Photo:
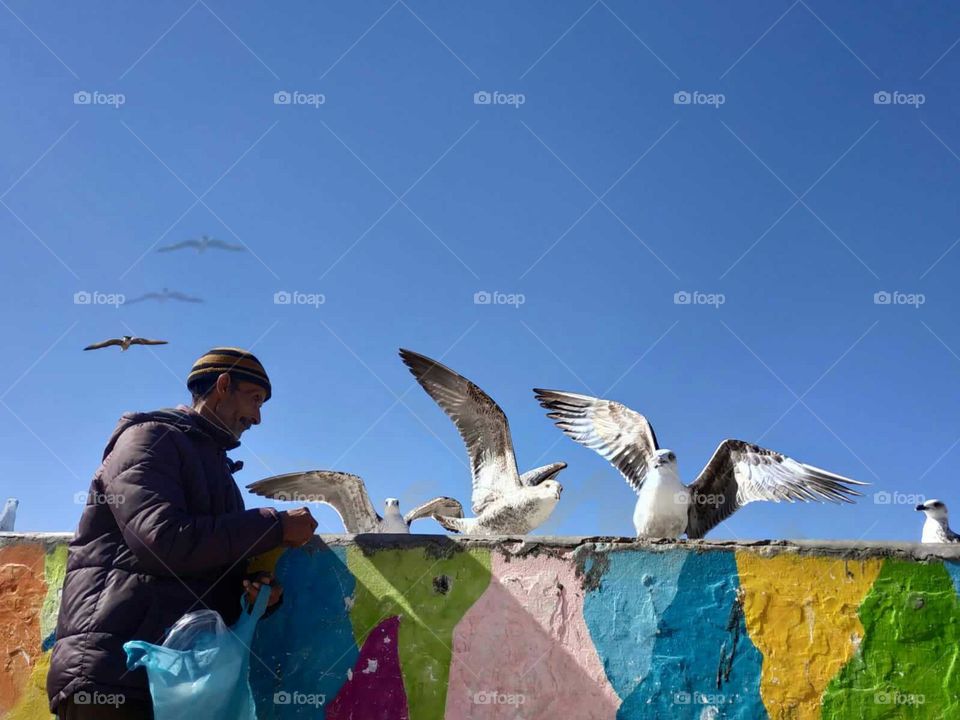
164	532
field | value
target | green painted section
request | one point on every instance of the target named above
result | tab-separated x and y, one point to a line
54	569
907	663
430	594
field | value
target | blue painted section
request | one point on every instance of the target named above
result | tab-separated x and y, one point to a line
48	641
623	612
700	636
953	567
308	644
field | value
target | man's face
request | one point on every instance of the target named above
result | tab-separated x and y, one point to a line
238	405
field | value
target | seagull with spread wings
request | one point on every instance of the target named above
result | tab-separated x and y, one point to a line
201	245
164	296
737	474
347	494
504	502
125	342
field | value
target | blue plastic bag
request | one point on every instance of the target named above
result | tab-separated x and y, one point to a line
202	669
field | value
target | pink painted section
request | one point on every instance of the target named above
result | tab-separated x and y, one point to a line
375	691
523	649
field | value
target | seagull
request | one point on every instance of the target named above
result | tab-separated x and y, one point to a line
8	516
737	474
125	342
935	528
504	502
347	494
164	296
202	245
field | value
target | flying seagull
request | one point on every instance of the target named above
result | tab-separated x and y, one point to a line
8	516
737	474
347	494
936	529
202	245
164	296
504	502
125	342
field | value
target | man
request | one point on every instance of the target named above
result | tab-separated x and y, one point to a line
164	532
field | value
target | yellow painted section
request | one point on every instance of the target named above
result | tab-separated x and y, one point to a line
32	703
266	562
801	614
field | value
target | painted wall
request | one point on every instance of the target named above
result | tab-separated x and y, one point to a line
432	627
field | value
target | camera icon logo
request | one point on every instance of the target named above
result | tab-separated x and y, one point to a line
282	97
882	498
82	297
882	298
482	97
682	297
282	297
681	97
282	697
681	698
882	98
482	298
82	97
81	698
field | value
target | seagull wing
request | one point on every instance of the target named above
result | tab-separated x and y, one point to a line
225	245
621	435
146	341
146	296
342	491
482	425
177	295
105	343
448	507
741	473
179	246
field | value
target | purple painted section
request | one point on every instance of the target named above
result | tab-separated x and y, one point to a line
375	691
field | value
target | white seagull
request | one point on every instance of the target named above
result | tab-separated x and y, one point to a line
8	516
504	502
347	494
936	529
162	297
737	474
125	342
201	245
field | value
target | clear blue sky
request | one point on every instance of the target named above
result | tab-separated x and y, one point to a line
494	197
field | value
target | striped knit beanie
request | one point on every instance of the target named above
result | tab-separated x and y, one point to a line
241	365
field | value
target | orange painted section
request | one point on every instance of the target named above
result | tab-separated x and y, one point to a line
22	591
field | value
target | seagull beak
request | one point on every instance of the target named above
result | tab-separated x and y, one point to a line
920	508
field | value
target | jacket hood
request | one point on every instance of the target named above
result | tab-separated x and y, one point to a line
181	417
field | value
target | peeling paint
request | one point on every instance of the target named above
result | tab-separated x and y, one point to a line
801	613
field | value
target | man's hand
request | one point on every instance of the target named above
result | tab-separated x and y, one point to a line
298	526
251	586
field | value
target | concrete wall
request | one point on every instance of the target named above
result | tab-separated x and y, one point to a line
431	627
